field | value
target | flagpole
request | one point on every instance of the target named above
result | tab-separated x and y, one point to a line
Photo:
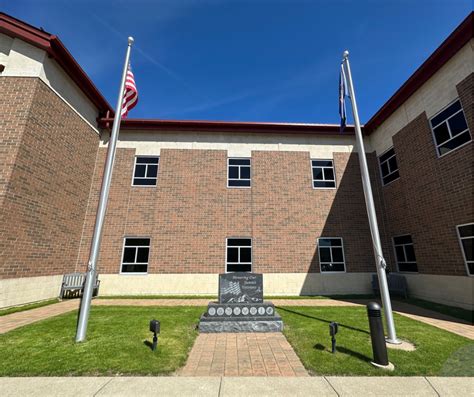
100	216
369	201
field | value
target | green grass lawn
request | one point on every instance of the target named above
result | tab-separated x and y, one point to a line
463	314
116	343
438	352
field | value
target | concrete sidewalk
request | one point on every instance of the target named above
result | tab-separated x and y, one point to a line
237	386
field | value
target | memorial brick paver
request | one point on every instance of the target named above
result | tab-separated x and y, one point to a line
243	354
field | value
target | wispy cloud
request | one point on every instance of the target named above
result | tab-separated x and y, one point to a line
145	55
213	104
300	83
264	99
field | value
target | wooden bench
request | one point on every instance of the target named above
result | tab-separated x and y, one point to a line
73	284
397	284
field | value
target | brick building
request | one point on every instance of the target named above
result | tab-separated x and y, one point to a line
192	199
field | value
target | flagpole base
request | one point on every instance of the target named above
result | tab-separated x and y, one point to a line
390	367
393	341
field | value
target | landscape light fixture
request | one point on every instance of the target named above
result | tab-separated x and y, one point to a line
155	328
333	328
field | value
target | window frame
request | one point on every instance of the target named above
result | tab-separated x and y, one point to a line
386	161
239	179
135	165
438	154
123	250
462	247
323	180
251	252
321	271
403	245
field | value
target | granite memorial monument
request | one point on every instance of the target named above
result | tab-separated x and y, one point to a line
241	307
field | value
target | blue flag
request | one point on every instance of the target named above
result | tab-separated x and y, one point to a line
342	97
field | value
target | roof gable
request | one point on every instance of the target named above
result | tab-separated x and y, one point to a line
56	50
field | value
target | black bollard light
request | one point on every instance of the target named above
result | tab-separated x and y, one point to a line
155	328
333	328
379	348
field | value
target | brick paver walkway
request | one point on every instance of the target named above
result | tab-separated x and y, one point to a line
436	319
16	320
243	354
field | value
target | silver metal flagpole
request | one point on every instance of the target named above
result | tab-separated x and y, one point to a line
104	195
369	201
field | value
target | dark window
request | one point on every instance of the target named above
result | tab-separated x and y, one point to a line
466	239
135	255
441	133
388	166
405	254
323	174
146	171
450	128
238	172
239	255
331	254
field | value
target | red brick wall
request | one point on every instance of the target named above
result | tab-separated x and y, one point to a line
289	215
433	195
191	212
48	155
15	104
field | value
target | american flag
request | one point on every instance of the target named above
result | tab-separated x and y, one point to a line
130	97
231	287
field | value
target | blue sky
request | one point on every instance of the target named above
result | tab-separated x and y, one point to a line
253	60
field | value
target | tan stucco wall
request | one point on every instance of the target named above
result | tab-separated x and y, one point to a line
434	95
24	60
237	145
18	291
448	290
207	284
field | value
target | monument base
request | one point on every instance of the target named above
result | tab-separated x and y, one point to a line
240	317
241	326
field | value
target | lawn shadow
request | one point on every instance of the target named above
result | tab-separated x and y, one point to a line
459	363
148	344
349	352
322	319
319	346
343	350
